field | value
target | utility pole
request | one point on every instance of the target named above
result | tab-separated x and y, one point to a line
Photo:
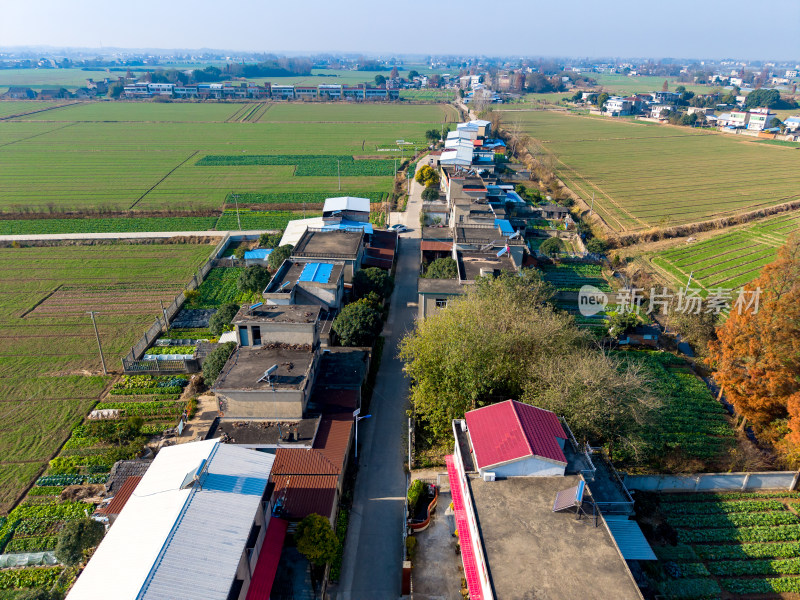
91	313
238	220
339	173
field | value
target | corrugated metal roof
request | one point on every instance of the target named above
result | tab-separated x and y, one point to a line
268	560
346	203
120	499
180	544
257	254
629	538
510	430
316	272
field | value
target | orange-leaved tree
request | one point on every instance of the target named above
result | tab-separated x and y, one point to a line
757	356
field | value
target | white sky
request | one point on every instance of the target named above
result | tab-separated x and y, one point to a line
680	28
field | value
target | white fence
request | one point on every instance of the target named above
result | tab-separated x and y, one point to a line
714	482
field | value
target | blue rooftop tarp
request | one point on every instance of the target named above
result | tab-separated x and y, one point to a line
316	272
258	254
505	226
345	224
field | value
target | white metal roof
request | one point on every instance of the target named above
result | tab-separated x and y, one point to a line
461	156
295	229
174	544
458	142
346	203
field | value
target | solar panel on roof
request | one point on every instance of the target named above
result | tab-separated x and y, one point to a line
568	498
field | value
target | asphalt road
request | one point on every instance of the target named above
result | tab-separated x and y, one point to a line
372	564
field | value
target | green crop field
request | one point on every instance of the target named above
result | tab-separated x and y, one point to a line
49	362
143	156
736	544
333	112
644	175
728	260
11	108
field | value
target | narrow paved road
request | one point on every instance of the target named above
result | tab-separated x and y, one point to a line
374	550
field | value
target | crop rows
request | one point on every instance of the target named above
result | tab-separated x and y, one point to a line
571	277
311	198
643	175
306	165
269	219
691	421
218	288
720	508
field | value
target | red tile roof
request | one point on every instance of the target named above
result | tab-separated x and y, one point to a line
511	430
121	498
268	559
306	479
426	246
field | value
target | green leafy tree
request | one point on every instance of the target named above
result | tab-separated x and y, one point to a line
215	361
619	323
316	540
602	98
253	279
76	537
413	73
239	252
221	320
442	268
432	135
552	246
763	98
427	176
372	279
430	194
358	324
596	246
380	80
278	255
270	240
458	360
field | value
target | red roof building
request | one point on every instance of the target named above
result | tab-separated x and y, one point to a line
113	508
515	439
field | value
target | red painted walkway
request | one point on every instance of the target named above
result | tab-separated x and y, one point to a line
467	555
267	565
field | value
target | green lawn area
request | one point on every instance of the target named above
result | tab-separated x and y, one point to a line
644	175
120	156
49	362
731	259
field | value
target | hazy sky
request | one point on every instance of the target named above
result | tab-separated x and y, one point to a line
679	28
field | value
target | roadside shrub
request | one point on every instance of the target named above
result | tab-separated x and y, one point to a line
221	320
596	246
270	240
414	492
316	540
216	360
430	194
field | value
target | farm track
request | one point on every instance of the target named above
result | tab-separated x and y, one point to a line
164	178
33	112
25	139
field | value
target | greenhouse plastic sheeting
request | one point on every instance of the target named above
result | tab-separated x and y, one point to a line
28	559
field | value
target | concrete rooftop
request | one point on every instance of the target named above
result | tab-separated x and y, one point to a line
335	243
295	313
533	552
265	433
471	263
292	275
247	365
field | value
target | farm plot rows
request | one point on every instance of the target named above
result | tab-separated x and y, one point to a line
49	362
728	260
736	544
16	108
645	175
306	165
149	165
691	423
571	277
218	288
